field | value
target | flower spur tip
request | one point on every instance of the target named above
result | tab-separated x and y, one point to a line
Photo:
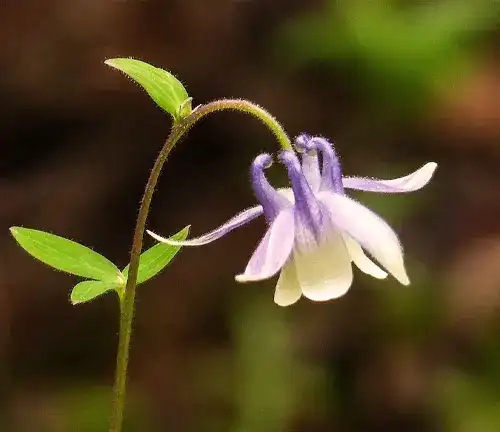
288	157
264	160
301	141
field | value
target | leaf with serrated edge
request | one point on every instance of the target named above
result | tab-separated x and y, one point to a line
163	87
66	255
157	257
89	290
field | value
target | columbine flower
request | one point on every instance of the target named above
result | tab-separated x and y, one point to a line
315	231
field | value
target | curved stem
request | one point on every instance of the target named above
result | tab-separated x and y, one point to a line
245	107
127	300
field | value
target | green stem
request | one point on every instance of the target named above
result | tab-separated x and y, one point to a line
127	301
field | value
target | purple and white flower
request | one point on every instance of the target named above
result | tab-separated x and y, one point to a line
314	230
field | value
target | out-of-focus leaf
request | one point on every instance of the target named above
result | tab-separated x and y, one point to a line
433	48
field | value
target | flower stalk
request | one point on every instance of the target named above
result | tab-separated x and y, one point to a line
127	300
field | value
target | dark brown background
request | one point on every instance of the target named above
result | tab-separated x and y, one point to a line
392	85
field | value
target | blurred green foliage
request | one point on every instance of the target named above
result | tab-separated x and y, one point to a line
273	386
88	408
402	52
469	402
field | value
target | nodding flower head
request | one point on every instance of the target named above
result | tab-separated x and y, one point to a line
315	232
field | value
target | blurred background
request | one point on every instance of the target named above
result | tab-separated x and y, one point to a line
393	83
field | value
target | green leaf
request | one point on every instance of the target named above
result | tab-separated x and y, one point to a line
66	255
157	257
164	88
89	290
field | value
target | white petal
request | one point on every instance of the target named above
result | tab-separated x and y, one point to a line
324	272
287	289
273	251
409	183
358	257
369	230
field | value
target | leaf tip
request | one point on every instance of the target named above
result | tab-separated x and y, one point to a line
111	63
73	299
15	232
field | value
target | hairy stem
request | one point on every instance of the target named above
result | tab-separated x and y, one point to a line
127	301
